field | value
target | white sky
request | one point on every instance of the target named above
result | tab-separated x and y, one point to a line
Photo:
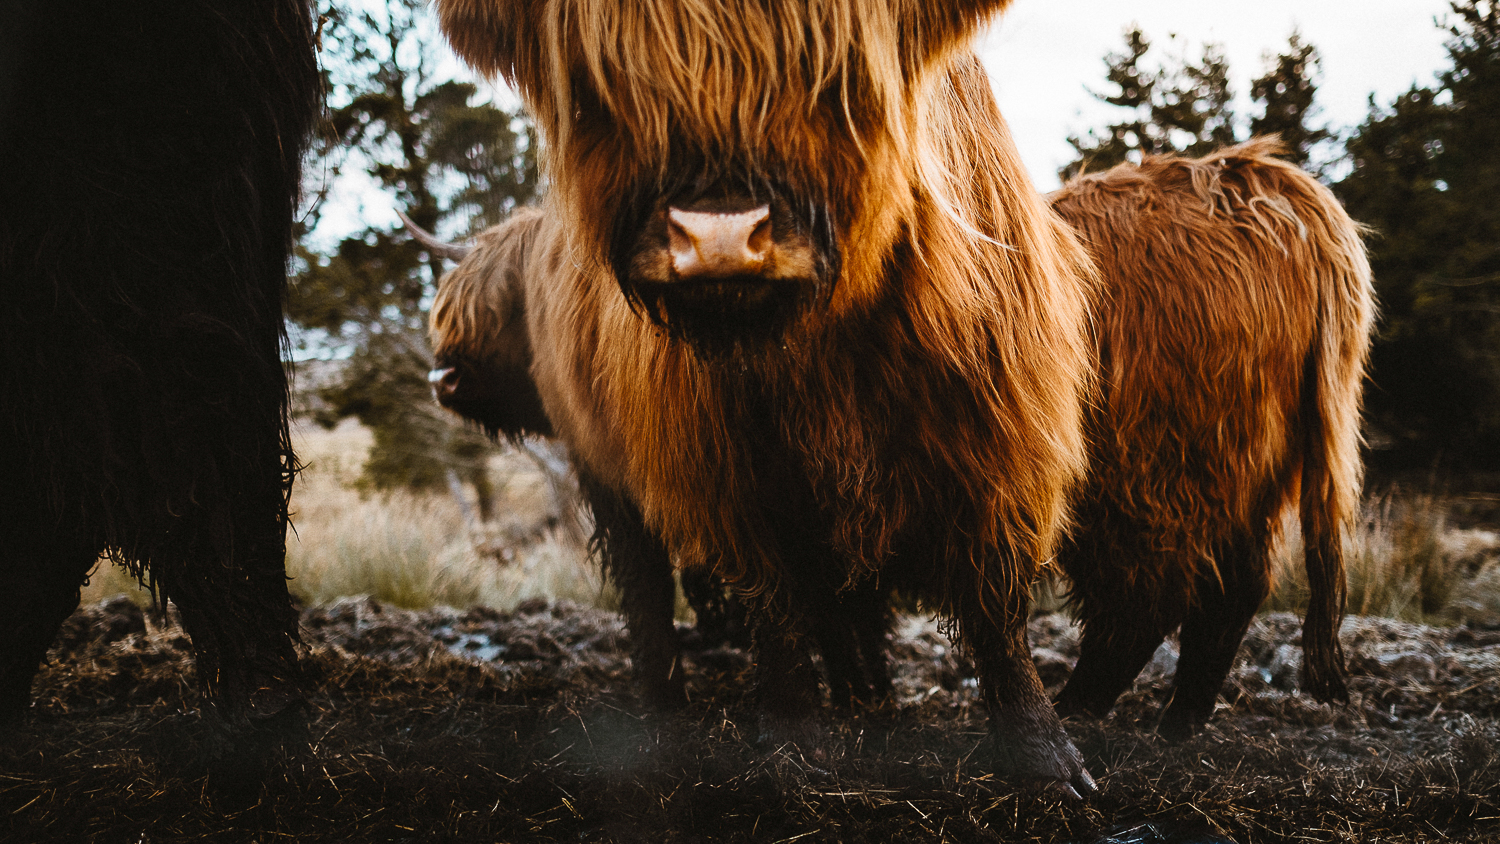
1044	56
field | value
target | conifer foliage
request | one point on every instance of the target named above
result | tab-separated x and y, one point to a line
1184	106
1426	174
453	165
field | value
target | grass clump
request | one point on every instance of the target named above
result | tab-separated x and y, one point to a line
1406	561
415	550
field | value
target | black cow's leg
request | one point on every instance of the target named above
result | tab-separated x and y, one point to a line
235	606
787	694
647	596
853	640
871	611
1116	644
638	563
220	556
835	621
43	572
1029	742
1211	635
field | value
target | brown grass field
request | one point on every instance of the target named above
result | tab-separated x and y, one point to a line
513	719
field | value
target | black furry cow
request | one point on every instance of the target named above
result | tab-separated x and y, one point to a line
151	155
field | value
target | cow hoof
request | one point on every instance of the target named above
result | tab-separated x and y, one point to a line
1076	790
1082	785
1055	764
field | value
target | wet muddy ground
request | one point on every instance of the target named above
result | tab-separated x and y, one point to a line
443	725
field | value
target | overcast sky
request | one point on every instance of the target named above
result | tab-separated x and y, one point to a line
1045	55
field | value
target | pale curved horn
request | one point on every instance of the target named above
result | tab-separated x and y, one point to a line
451	251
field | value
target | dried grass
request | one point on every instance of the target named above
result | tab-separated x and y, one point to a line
415	550
480	726
1407	562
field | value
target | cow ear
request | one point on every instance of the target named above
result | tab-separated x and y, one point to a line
933	27
488	34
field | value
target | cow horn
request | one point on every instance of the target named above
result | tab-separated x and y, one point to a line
451	251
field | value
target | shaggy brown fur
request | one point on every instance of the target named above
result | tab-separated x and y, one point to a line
918	418
483	352
153	155
1237	320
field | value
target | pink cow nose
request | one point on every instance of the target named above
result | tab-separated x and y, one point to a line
716	245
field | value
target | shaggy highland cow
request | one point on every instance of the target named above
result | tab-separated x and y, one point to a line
1233	336
153	155
483	353
809	311
482	346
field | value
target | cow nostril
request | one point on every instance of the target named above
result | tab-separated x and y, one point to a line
714	244
760	239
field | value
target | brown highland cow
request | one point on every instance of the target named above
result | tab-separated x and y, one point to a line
483	353
1234	331
806	307
483	350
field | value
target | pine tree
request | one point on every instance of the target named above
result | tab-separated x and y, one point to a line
446	160
1426	173
1186	107
1286	94
1182	108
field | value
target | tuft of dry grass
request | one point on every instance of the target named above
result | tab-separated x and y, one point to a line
414	550
1406	562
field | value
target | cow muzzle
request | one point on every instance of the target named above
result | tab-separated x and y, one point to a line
444	383
708	245
724	269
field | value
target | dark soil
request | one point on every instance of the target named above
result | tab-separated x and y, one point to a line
481	726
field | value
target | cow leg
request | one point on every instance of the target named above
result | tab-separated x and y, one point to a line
872	625
221	559
1216	622
853	642
42	578
835	621
1115	646
721	614
1029	742
787	694
643	572
239	615
637	562
873	628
